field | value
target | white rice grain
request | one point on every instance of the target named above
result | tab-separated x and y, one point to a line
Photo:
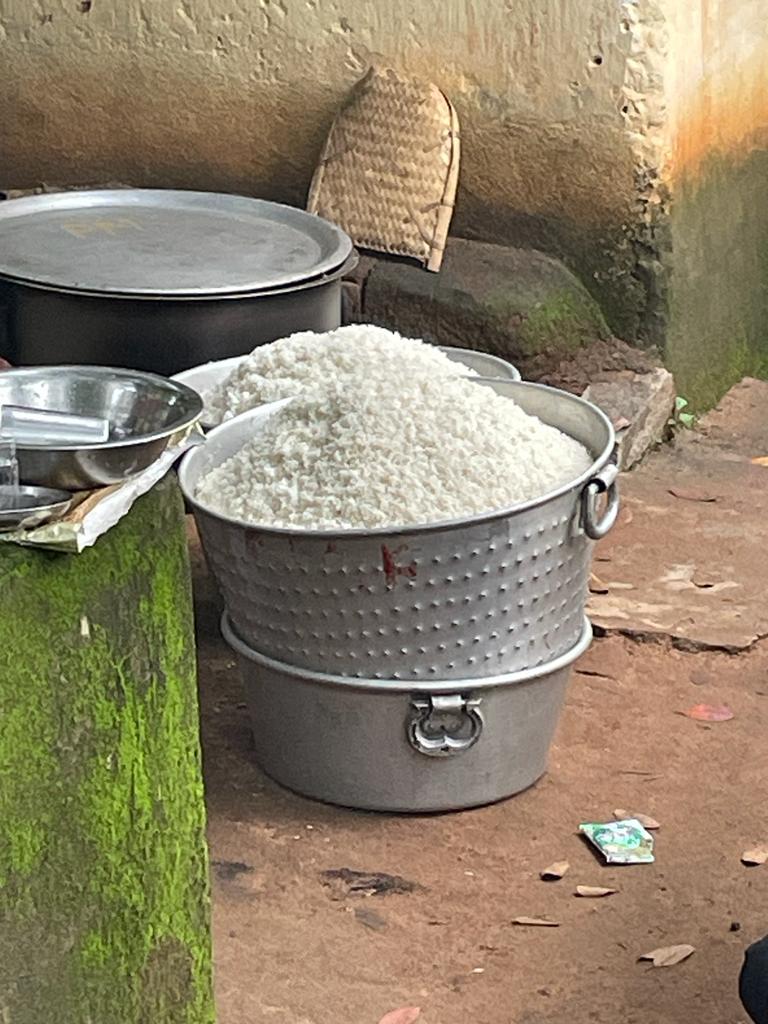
309	361
414	449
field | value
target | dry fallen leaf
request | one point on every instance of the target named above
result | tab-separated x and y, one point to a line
668	956
709	713
405	1015
752	858
594	891
596	585
536	922
645	820
555	871
760	460
370	919
706	580
621	423
686	495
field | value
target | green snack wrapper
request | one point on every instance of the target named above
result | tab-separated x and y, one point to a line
620	842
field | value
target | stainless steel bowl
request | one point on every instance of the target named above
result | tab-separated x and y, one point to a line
482	363
144	411
30	506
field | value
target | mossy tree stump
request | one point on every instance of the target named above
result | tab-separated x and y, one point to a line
104	901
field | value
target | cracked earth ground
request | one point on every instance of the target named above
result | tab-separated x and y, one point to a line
683	611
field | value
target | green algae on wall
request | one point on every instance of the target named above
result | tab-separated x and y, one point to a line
104	914
719	283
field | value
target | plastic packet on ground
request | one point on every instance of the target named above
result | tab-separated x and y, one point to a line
620	842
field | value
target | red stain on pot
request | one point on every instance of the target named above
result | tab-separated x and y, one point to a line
391	569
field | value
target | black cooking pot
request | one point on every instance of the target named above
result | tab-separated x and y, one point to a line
159	280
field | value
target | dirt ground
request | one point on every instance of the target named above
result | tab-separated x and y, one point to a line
290	949
597	361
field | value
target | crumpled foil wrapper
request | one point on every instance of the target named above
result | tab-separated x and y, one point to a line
92	513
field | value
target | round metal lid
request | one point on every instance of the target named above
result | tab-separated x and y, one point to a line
162	242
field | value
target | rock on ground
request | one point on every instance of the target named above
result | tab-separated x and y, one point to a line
516	303
645	402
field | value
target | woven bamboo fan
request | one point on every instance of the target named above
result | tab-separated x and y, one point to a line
390	166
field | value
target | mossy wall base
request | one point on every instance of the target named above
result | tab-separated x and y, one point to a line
718	329
104	906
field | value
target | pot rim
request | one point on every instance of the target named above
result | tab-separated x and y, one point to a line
527	675
305	284
33	214
408	529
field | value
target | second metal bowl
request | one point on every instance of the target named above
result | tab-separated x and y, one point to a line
25	507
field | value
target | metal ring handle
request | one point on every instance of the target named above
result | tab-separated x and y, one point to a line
605	482
442	741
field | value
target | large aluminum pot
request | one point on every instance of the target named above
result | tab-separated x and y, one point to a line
413	747
492	594
161	280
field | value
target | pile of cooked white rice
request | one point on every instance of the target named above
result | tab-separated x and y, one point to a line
308	361
388	447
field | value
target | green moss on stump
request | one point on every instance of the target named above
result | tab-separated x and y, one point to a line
104	910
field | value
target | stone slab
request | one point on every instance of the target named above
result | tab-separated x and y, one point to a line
687	558
644	401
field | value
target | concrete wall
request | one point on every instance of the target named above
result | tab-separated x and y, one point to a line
238	95
717	174
628	137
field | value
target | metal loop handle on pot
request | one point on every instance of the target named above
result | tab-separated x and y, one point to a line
605	482
427	736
